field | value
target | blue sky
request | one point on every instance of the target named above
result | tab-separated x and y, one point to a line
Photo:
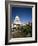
25	14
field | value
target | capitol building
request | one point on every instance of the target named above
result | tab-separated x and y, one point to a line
15	26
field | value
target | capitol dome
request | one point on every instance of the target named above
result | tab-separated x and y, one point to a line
17	20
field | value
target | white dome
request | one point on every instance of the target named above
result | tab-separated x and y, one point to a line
17	20
17	17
